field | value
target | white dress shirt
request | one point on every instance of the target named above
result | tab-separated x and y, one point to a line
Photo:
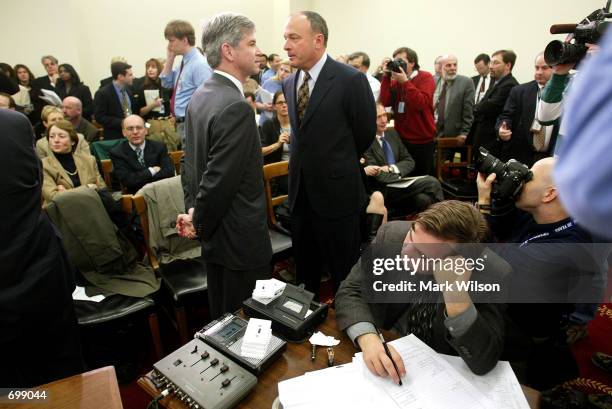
233	79
314	74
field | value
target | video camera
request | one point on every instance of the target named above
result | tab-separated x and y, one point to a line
589	30
510	176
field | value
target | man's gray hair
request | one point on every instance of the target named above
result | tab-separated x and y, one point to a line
48	57
223	28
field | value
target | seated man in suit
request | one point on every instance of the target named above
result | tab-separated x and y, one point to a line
386	161
448	321
523	138
72	109
137	162
114	101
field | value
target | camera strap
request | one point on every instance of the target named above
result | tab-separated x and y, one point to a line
567	225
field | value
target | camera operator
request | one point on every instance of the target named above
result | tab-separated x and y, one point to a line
536	217
587	147
409	91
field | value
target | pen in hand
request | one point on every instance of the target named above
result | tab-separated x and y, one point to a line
389	355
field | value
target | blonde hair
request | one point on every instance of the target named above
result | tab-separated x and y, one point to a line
284	62
48	110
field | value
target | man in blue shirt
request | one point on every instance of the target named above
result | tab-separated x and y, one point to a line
193	71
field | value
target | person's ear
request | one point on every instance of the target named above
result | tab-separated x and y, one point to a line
550	194
227	51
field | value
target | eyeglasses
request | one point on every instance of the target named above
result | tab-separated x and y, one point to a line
281	102
134	128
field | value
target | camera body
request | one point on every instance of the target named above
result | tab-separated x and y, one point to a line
588	31
510	176
395	65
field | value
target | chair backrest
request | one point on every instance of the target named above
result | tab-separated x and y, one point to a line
176	160
140	205
107	169
443	144
271	171
100	149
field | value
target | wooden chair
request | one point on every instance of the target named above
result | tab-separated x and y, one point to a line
107	170
176	160
180	278
463	188
280	238
118	306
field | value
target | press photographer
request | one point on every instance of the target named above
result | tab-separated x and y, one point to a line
565	56
408	90
522	206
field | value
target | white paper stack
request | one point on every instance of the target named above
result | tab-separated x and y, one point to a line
256	339
267	291
432	381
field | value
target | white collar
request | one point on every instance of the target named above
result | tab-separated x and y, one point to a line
140	146
233	79
316	69
414	74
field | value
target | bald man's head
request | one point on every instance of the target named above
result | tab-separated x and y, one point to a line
72	108
541	189
134	129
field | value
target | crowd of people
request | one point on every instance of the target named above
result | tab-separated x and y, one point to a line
232	109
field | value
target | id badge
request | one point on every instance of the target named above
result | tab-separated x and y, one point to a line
401	107
536	126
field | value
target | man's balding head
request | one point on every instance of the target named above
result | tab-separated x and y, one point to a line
449	66
539	196
134	129
72	108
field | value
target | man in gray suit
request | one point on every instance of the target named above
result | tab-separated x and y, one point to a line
223	168
453	101
450	323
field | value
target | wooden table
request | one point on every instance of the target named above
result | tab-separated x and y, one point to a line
295	362
95	389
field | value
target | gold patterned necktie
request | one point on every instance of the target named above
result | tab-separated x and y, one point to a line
125	105
303	97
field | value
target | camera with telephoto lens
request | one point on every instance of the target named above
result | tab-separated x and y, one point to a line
588	31
395	65
510	176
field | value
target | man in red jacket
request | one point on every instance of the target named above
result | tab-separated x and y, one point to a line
410	94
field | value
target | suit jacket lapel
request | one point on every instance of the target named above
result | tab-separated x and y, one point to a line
292	99
322	86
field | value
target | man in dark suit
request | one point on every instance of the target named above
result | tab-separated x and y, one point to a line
114	101
483	81
333	121
475	332
492	104
223	170
36	279
386	161
522	138
136	161
453	101
47	81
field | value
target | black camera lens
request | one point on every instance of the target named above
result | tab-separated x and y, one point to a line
488	163
558	52
396	64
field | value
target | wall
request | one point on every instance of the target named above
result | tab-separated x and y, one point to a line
88	33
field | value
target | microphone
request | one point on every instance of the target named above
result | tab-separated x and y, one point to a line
562	28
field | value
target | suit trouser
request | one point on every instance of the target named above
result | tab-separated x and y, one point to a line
423	155
416	197
228	288
320	243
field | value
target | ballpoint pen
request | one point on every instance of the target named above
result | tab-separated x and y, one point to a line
388	352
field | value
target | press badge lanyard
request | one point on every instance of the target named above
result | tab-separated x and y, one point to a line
401	106
546	234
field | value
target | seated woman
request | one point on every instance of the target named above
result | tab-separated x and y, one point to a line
28	93
275	137
160	106
273	85
69	84
51	115
65	168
